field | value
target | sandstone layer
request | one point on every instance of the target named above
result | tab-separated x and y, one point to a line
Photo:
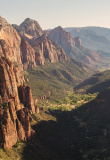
37	47
45	49
14	110
64	39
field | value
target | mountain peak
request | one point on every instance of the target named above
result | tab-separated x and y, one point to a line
3	22
29	21
31	27
59	27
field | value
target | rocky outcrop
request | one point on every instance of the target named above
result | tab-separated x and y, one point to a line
14	126
8	83
29	29
45	49
14	117
9	86
73	47
14	48
28	55
12	40
78	42
26	98
64	39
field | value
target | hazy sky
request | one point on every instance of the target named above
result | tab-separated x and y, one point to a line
53	13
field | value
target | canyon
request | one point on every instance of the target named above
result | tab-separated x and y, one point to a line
16	101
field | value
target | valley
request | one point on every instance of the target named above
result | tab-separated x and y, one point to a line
54	99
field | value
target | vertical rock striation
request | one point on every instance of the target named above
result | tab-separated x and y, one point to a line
45	49
14	112
28	55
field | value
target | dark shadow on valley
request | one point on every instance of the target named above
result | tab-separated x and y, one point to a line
80	134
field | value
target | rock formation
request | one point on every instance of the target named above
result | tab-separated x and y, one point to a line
14	117
11	40
43	47
73	47
15	98
28	55
78	42
29	30
46	49
64	39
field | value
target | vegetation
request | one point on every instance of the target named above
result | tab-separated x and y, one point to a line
79	134
70	125
45	125
97	83
54	80
72	101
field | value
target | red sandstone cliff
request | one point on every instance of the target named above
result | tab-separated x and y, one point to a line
29	30
15	98
14	48
28	55
46	49
31	27
64	39
12	40
14	117
43	47
73	47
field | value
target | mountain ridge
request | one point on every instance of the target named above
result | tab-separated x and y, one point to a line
74	48
95	38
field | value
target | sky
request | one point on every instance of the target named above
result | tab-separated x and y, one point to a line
52	13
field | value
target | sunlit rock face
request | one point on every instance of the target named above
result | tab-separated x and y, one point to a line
46	49
64	39
14	112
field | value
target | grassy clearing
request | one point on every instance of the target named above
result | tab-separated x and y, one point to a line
72	101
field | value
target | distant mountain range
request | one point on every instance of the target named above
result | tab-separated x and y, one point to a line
74	48
95	38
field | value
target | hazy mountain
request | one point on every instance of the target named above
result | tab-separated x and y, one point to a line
95	38
74	48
